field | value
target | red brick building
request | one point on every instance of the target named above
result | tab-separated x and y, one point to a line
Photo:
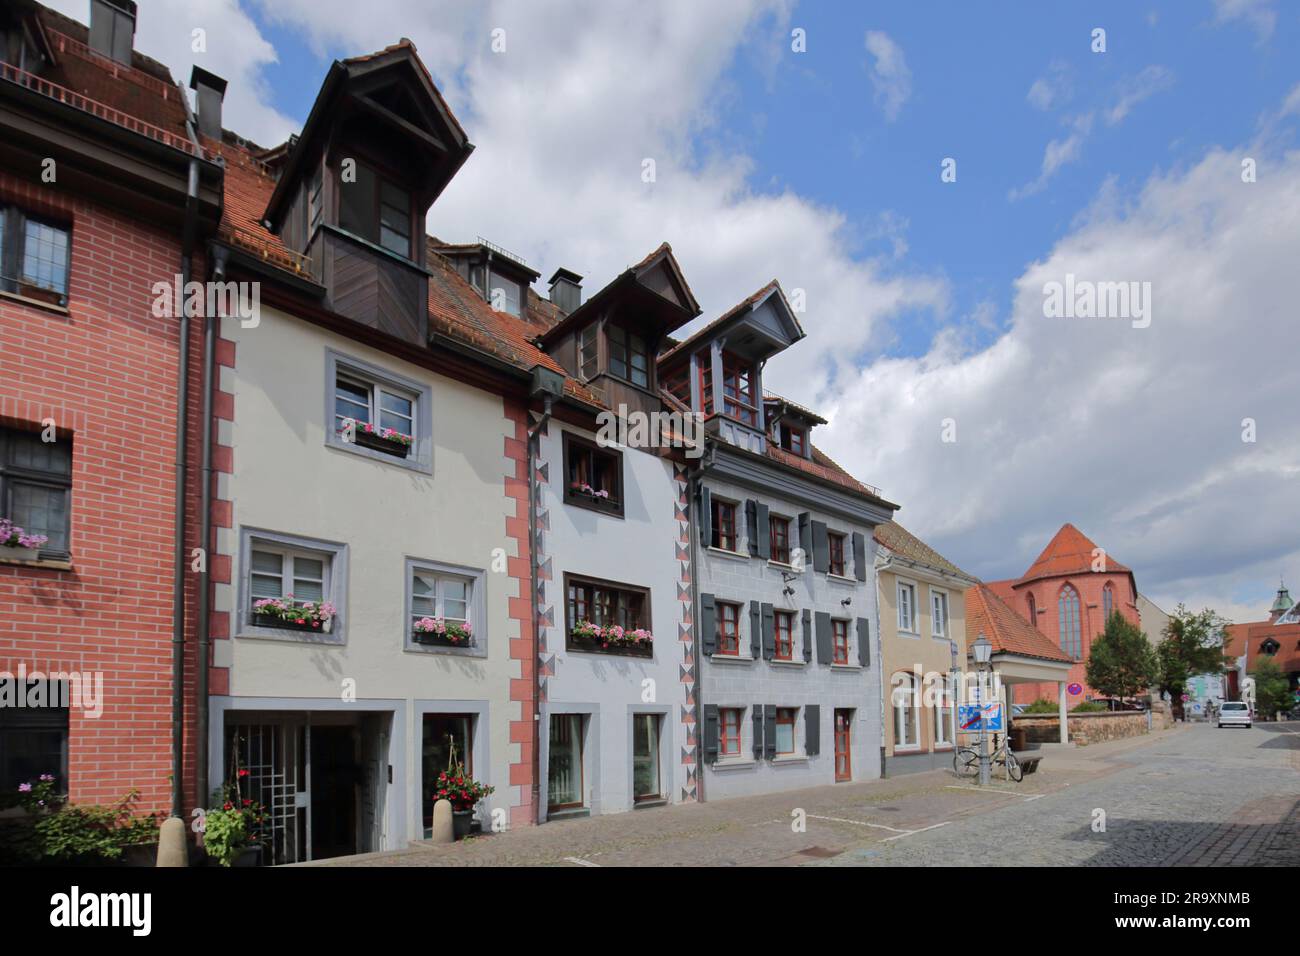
95	168
1068	593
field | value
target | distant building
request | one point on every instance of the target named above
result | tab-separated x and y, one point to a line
1278	638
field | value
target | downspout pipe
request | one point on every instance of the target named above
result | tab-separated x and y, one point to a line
182	476
693	479
201	769
534	439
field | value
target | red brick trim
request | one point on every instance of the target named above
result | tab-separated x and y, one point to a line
520	609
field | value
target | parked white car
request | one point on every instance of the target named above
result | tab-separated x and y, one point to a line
1234	713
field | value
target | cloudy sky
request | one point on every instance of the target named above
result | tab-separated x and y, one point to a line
807	141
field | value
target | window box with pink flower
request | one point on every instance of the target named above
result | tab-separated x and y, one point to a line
611	639
442	633
294	615
388	440
17	545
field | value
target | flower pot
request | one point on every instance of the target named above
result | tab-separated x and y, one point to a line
248	856
11	553
388	446
440	640
460	823
271	620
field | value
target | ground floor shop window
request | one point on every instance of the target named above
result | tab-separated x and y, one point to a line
565	790
646	783
441	732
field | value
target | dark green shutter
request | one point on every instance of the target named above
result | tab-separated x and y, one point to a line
864	642
821	547
825	652
764	531
710	733
769	731
805	539
706	518
859	556
751	526
812	726
807	636
755	629
708	624
756	714
769	632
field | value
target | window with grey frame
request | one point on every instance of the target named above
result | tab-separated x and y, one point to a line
373	414
441	607
36	487
35	256
290	586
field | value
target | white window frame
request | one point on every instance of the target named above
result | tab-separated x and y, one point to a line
375	393
796	750
912	626
903	700
380	381
334	556
498	280
943	713
476	609
939	622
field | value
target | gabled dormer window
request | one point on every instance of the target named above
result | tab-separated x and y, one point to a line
628	357
589	352
793	439
376	209
504	293
738	400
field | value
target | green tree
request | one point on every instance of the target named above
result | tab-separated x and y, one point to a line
1192	644
1272	689
1121	662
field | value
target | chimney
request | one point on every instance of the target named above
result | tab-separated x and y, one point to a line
112	29
566	290
210	90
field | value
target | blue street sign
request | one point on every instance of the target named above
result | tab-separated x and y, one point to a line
968	717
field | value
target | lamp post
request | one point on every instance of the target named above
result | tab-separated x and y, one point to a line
983	651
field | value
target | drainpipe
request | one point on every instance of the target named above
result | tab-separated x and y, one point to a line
182	475
534	440
692	505
205	536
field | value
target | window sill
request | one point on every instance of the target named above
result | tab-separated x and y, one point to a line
847	667
939	637
726	553
734	763
789	760
645	803
288	635
908	749
841	579
729	658
777	663
600	506
409	462
36	303
783	566
48	564
913	635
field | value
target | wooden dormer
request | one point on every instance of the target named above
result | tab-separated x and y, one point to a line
611	340
718	371
379	147
790	426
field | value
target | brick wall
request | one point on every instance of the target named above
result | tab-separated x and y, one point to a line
1084	728
105	371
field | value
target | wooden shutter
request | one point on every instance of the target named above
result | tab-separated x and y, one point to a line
769	632
756	715
812	726
706	518
769	731
763	521
864	642
805	537
710	733
755	630
821	547
807	636
708	624
825	649
751	526
859	556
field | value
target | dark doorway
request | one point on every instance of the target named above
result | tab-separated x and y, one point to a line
335	776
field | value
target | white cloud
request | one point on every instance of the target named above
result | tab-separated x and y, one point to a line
1134	435
1053	88
1260	15
1057	153
890	76
1152	80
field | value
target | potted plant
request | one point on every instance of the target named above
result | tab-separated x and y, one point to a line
17	545
233	833
297	616
463	791
387	440
435	630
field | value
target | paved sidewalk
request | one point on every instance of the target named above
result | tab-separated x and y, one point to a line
926	818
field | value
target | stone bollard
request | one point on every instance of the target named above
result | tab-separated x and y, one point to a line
443	825
172	849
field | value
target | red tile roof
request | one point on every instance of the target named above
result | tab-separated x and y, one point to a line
1069	552
1009	633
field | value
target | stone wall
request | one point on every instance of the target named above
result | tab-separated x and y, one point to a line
1084	728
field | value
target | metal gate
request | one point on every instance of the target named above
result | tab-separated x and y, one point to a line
274	757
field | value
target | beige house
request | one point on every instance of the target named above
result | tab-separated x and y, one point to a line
922	630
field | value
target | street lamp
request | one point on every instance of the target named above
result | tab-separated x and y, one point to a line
983	651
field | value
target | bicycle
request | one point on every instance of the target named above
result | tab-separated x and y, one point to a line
966	761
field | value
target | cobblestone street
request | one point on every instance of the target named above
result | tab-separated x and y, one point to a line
1188	796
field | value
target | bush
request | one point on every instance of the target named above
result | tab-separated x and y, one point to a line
53	831
1090	707
1042	706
